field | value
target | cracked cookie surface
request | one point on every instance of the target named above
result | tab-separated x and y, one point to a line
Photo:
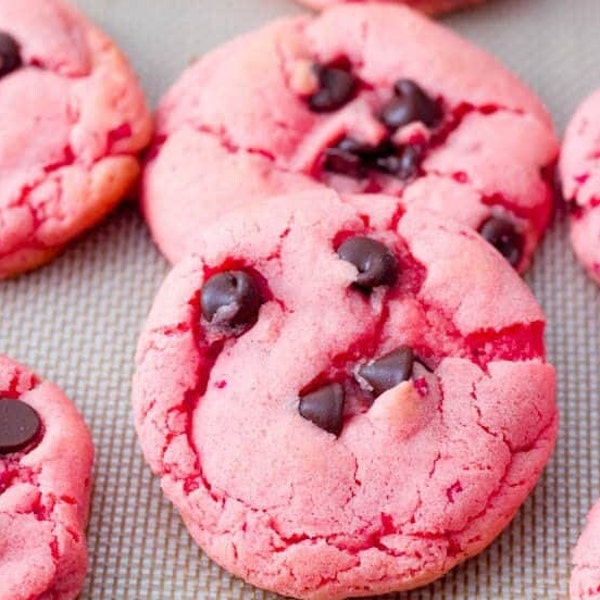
343	397
73	119
45	482
352	99
580	176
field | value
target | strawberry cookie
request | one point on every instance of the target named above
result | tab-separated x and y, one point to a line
585	575
73	119
45	481
580	174
432	7
343	397
353	99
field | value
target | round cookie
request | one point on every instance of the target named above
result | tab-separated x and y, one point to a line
580	175
356	100
585	574
45	482
343	398
73	119
428	6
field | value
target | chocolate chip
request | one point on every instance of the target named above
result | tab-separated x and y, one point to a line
503	235
410	103
353	146
367	152
388	371
324	407
230	299
353	158
10	54
337	86
344	162
375	263
404	164
20	425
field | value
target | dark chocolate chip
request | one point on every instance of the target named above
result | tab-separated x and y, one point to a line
344	162
324	407
375	263
503	235
367	152
353	146
10	54
410	103
388	371
230	299
337	87
353	158
20	425
404	164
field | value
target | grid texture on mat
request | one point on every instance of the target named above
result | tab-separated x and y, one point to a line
77	321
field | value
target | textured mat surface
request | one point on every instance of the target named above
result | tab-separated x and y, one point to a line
77	320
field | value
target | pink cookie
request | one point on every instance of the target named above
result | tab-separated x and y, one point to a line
364	98
580	173
585	575
342	398
428	6
73	119
45	481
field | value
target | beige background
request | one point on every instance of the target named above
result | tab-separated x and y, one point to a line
77	320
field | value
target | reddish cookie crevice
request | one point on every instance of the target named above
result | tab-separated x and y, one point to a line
420	120
91	122
45	484
421	477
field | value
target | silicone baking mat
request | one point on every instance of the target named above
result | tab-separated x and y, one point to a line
76	321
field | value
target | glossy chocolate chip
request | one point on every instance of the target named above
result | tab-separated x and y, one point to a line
375	263
503	235
404	164
230	299
337	86
410	103
388	371
20	425
324	407
10	54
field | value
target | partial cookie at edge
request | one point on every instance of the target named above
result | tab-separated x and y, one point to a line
585	573
580	175
45	484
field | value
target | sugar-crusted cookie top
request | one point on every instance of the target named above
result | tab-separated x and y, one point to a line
355	99
331	421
